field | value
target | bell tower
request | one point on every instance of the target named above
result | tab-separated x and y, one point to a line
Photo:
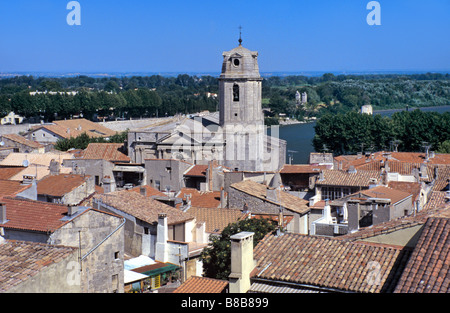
240	111
240	88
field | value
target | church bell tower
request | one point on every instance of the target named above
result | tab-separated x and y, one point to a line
240	111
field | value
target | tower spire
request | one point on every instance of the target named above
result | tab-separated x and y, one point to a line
240	35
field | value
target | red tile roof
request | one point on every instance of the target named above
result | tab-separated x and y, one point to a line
105	151
197	171
22	140
33	215
383	192
344	178
327	262
144	208
75	127
197	284
11	187
203	199
20	260
257	190
216	219
59	185
301	169
428	269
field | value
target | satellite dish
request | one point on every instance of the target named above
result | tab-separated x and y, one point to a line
25	163
2	143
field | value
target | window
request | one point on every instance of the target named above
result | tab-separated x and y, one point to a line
116	255
236	62
146	231
235	92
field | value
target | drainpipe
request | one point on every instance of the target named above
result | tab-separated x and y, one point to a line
104	239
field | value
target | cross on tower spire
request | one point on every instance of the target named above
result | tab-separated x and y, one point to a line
240	35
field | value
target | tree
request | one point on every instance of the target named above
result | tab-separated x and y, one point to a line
217	258
444	147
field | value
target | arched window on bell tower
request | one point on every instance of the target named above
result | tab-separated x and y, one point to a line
235	92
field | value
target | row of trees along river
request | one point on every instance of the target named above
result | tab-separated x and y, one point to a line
328	95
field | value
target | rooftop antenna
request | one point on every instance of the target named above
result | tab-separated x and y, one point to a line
240	35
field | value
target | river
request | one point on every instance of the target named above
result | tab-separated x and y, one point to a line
299	136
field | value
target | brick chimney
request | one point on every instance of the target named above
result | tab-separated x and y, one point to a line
242	262
162	235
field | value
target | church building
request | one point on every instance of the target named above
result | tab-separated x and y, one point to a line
234	137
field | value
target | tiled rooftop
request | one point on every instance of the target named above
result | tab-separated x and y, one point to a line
436	206
20	260
216	219
33	215
301	169
327	262
394	195
142	207
197	284
105	151
344	178
75	127
288	201
428	269
203	199
22	140
59	185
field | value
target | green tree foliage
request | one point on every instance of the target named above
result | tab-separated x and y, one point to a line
83	140
353	132
217	257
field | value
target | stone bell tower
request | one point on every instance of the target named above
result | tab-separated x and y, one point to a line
241	117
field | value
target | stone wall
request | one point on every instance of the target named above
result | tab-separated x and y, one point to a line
102	269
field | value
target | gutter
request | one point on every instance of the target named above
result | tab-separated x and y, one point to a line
104	239
270	281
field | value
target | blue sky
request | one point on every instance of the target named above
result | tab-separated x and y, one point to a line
190	35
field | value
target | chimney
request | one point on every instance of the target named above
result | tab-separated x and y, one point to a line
162	235
28	179
223	198
54	167
143	191
242	262
72	210
108	184
353	215
3	219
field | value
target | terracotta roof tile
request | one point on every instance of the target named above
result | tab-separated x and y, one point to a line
197	284
59	185
144	208
105	151
10	187
197	171
20	260
203	199
326	262
344	178
8	172
33	215
394	195
436	205
22	140
288	201
301	169
216	219
427	271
